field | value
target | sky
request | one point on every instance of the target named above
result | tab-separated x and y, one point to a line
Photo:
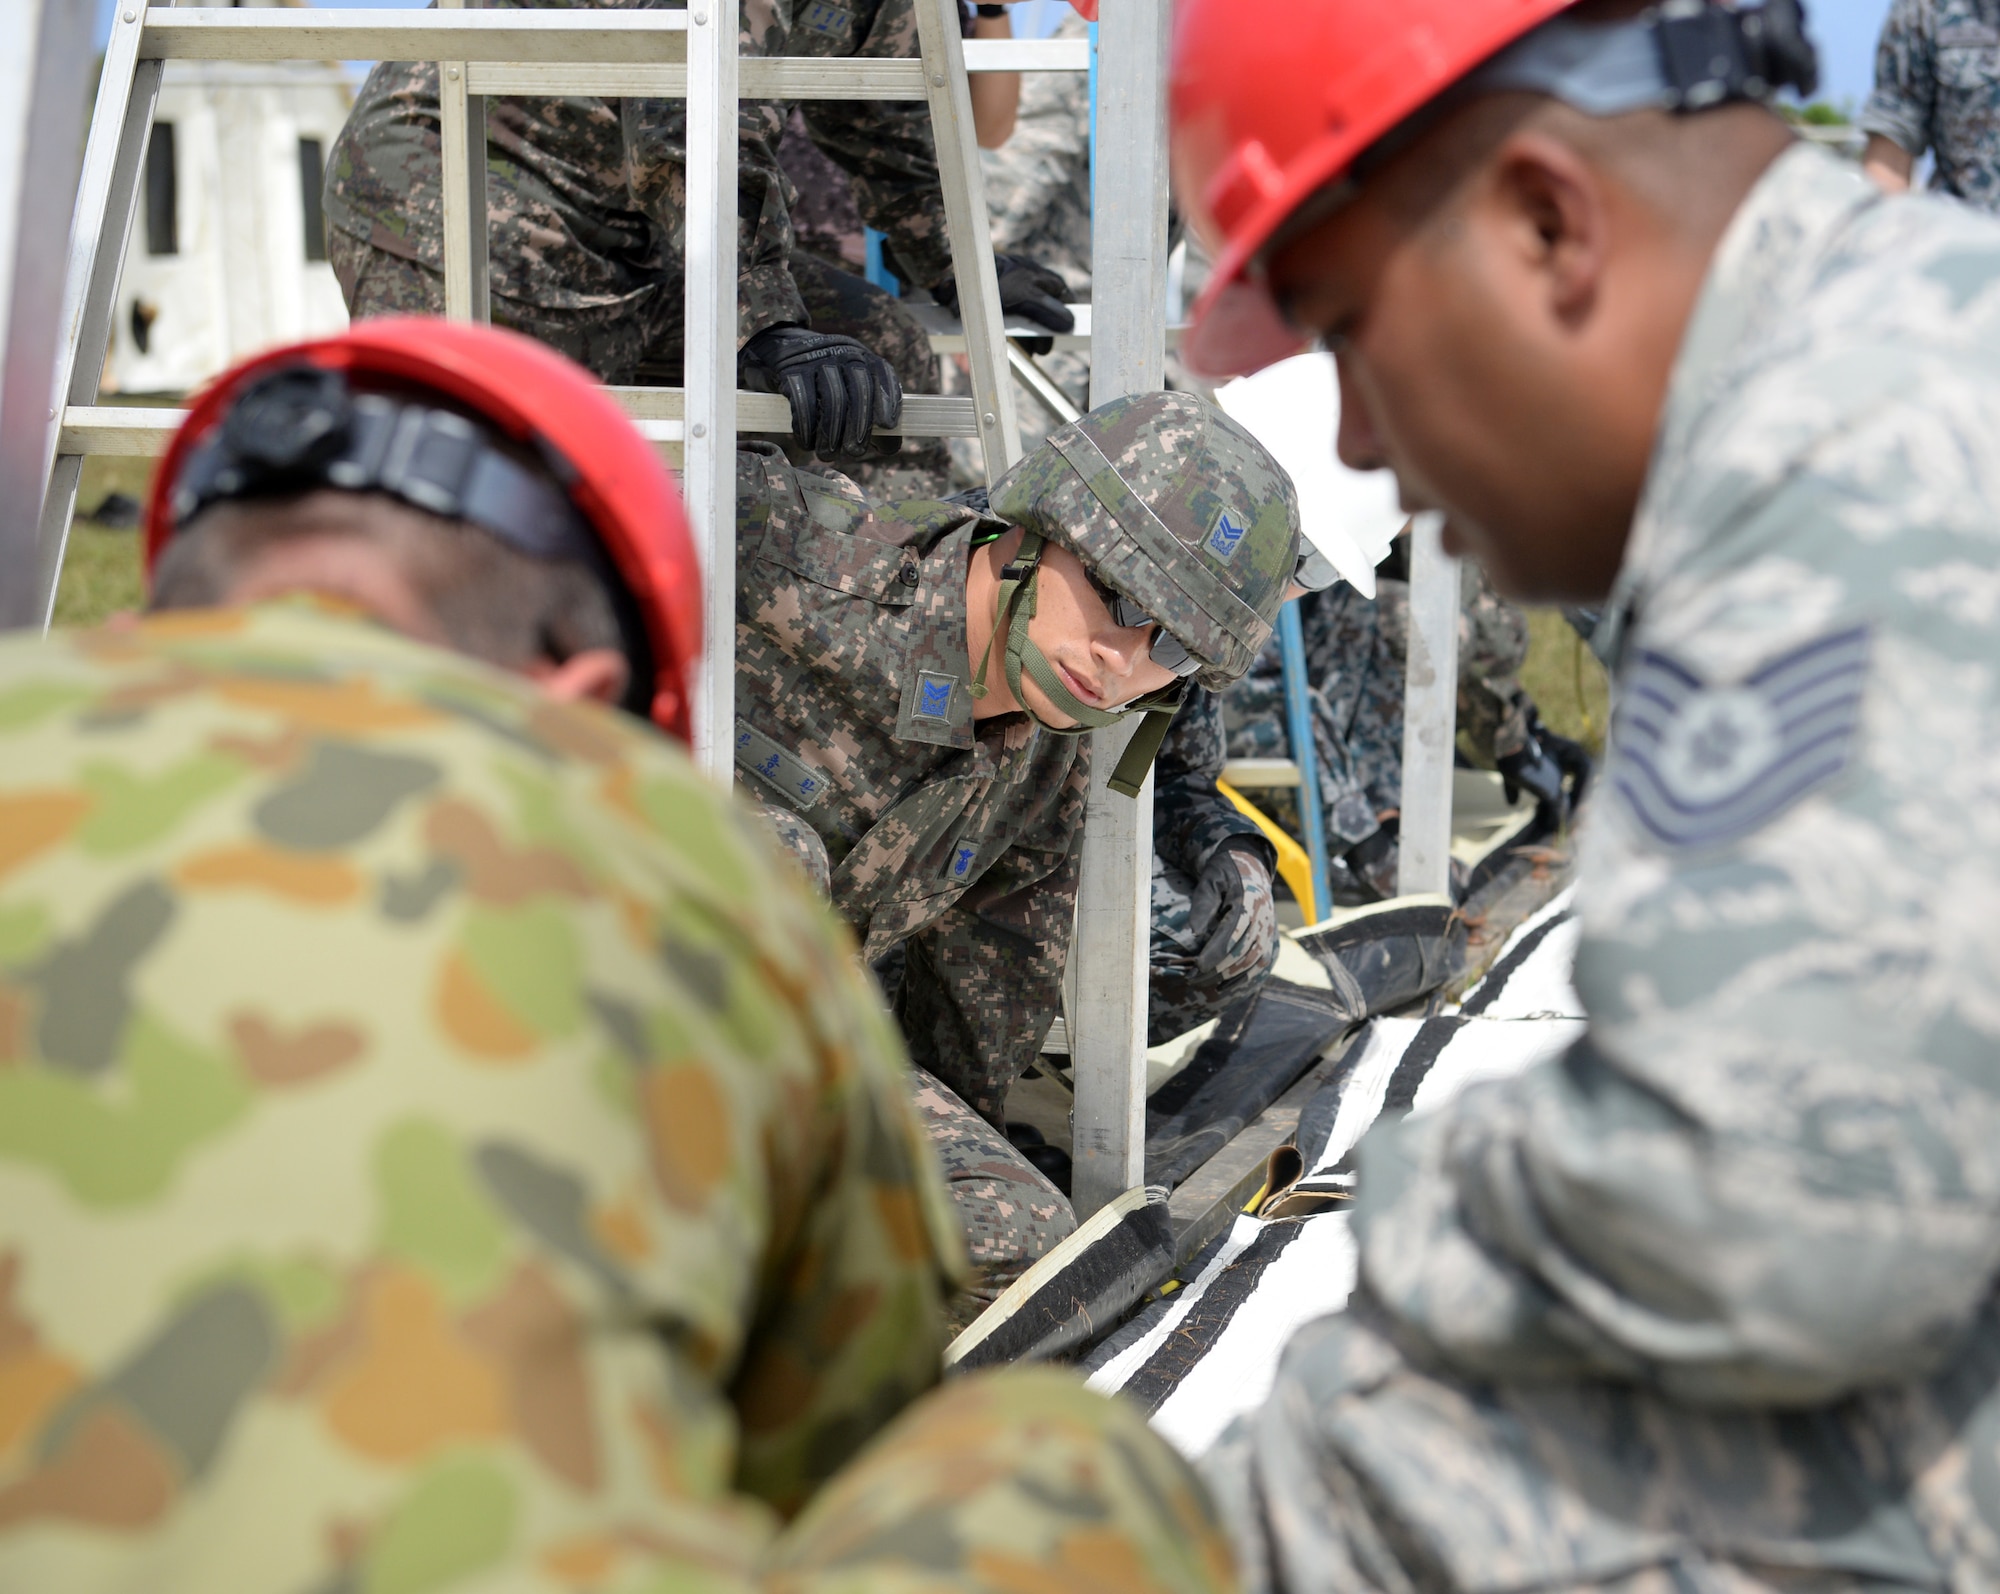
1845	31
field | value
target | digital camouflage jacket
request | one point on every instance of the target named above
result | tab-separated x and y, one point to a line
588	196
957	840
438	1139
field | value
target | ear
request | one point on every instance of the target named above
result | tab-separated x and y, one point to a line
596	675
1559	207
1355	441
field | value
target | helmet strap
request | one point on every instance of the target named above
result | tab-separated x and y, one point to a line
1142	749
1019	652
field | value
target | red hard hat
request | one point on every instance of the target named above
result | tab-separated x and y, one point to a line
534	396
1273	100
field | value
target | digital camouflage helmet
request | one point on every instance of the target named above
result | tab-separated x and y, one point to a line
1180	513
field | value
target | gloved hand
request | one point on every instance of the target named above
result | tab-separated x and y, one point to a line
1033	292
1552	769
1233	911
839	390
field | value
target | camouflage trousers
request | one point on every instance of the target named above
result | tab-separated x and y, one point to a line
1004	1483
1012	1216
1179	997
641	341
1363	1471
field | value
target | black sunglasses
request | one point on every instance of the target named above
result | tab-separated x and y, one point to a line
1167	650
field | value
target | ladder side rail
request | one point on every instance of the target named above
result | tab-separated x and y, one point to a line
107	199
43	90
1430	712
462	186
963	181
1128	241
709	354
222	33
1305	756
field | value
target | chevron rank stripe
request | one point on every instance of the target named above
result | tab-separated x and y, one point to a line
1703	765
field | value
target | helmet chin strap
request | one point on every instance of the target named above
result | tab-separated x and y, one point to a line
1016	609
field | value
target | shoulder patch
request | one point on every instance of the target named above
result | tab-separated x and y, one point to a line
785	773
958	867
933	696
1704	765
1224	537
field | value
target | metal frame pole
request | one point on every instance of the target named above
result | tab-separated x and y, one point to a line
44	86
709	356
1128	240
462	179
1430	713
963	181
1305	754
107	196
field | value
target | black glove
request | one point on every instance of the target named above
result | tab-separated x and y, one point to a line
1552	769
839	390
1234	912
1032	292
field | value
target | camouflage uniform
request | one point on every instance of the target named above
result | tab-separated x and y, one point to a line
952	840
1709	1301
1190	820
438	1144
1937	88
586	196
1355	650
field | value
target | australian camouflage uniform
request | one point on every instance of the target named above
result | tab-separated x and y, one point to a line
587	199
441	1146
1709	1301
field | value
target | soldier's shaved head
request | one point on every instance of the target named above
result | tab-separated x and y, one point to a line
441	580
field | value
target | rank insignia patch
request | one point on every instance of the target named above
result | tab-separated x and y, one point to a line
933	696
1225	538
1703	765
800	785
962	858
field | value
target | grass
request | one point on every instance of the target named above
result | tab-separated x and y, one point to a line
100	573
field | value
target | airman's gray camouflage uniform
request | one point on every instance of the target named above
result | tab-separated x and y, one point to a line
587	196
440	1148
1937	88
1709	1302
1355	648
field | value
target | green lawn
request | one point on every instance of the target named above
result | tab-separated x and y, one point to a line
100	572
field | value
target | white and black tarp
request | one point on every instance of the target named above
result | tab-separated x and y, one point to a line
1209	1351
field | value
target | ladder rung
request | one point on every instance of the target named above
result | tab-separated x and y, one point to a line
217	33
765	78
924	414
1027	55
142	431
530	44
1253	774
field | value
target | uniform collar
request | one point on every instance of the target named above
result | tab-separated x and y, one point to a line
1761	272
